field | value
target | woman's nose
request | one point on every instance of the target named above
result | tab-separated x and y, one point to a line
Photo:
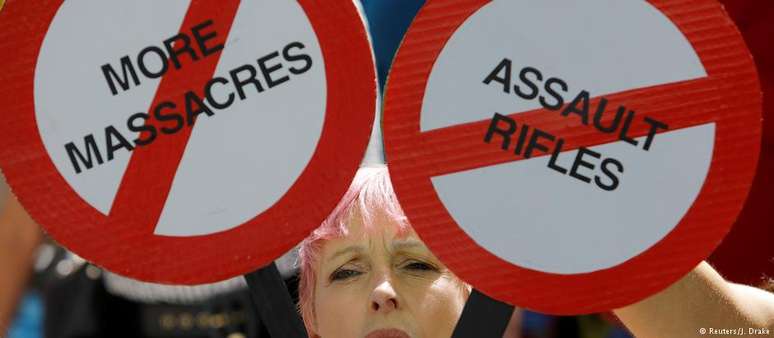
383	298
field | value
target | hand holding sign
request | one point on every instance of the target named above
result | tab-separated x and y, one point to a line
572	157
183	142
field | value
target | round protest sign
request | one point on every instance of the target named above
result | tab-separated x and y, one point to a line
572	157
188	141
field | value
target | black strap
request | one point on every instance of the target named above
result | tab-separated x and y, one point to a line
274	304
483	317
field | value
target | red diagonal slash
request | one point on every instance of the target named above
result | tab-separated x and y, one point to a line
148	178
461	147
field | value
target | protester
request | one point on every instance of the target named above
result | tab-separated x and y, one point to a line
19	237
365	273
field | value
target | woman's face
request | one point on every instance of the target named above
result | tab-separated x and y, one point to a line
374	283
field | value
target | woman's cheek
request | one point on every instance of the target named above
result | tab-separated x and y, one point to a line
441	308
339	312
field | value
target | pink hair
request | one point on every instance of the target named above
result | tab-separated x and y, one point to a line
369	195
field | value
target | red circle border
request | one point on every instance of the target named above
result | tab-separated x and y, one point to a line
699	232
117	246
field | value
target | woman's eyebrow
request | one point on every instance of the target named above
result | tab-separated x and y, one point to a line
357	249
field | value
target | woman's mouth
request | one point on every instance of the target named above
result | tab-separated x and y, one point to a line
390	333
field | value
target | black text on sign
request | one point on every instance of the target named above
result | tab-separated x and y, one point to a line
221	92
525	140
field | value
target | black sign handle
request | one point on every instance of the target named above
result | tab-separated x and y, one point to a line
271	298
483	317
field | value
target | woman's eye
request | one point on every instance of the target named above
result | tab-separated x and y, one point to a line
342	274
419	266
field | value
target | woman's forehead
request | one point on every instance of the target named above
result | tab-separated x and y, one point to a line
344	248
382	232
